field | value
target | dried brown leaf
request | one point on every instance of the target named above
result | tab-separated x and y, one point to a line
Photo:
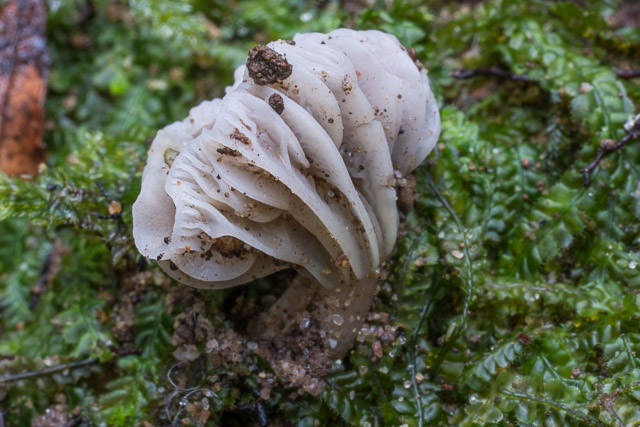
24	68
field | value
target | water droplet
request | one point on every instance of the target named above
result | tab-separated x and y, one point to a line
305	323
407	384
337	319
633	265
457	254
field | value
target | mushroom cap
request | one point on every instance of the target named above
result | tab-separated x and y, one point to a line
294	166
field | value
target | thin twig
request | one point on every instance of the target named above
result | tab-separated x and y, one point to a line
629	73
608	148
47	371
468	73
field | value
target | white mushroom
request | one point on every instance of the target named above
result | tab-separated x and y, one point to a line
294	168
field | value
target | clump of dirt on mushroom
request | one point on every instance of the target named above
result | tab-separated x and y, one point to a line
266	66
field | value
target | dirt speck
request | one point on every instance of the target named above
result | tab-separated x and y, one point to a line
225	151
414	56
239	136
347	87
299	358
191	327
266	66
276	102
124	309
408	194
55	416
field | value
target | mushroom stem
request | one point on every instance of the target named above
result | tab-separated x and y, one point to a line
335	314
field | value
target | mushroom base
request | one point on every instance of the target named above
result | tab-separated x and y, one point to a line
310	326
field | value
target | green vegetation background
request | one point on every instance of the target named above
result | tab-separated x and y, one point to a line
514	291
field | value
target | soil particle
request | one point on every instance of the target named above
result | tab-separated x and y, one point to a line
414	56
266	66
226	349
377	349
123	312
225	151
239	136
408	194
179	296
191	327
186	353
198	412
299	357
55	416
229	247
276	102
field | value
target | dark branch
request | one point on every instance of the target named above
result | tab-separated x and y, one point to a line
608	148
629	73
47	371
468	73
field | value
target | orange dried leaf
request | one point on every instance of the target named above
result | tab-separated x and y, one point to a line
115	208
24	67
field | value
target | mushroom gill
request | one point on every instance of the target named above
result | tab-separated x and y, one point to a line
294	167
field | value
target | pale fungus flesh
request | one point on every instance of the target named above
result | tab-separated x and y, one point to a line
295	167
